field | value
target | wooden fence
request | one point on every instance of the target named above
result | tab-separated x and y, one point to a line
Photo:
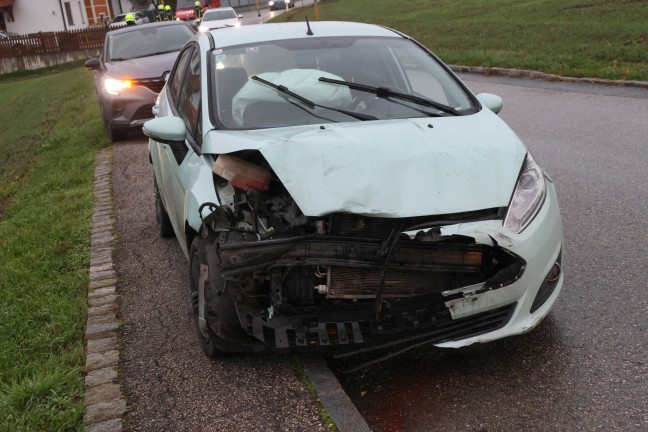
53	42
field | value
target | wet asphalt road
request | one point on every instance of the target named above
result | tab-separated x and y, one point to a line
584	368
170	385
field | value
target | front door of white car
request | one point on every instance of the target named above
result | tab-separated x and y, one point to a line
183	98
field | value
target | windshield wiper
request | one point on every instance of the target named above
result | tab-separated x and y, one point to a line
385	93
310	103
153	54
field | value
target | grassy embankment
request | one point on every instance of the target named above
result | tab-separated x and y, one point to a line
51	131
576	38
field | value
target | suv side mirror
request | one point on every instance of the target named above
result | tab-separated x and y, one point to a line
93	64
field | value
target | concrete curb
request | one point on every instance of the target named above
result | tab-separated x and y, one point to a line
522	73
332	396
104	402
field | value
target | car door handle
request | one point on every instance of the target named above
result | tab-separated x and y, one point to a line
155	110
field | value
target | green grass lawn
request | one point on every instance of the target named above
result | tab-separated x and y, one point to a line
51	133
576	38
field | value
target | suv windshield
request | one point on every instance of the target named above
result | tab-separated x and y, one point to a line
146	41
387	71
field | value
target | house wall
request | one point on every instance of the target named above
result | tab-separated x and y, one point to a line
33	16
94	10
121	6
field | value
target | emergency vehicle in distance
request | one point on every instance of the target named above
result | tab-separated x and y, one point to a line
185	8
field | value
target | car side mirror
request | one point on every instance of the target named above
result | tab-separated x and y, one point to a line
491	101
168	130
93	64
240	17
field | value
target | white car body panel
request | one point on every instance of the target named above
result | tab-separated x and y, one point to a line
397	168
539	244
460	164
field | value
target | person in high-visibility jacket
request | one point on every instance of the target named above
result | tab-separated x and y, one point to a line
168	13
159	12
130	19
197	10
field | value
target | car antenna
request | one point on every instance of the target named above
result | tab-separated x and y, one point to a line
309	32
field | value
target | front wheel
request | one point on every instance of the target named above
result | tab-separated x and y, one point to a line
206	336
116	134
161	215
113	133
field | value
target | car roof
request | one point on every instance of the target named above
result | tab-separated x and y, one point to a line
127	29
218	9
231	36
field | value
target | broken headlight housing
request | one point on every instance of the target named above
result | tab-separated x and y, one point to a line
528	197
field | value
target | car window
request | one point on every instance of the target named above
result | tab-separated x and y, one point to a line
188	97
429	79
394	63
143	41
178	73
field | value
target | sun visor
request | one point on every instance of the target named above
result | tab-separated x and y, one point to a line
304	82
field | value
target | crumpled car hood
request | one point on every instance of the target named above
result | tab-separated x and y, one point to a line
389	168
143	67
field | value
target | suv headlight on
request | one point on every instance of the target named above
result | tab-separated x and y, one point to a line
528	197
115	86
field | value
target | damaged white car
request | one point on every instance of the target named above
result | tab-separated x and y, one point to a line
335	186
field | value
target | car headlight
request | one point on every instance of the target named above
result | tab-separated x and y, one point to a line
528	197
115	86
202	29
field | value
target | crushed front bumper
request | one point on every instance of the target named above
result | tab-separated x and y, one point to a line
434	292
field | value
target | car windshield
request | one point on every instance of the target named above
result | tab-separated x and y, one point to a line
219	15
119	18
185	4
146	41
375	77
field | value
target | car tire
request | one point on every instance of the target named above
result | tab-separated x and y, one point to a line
206	337
116	134
113	133
165	228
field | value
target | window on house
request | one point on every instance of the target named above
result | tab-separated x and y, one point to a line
68	13
81	13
